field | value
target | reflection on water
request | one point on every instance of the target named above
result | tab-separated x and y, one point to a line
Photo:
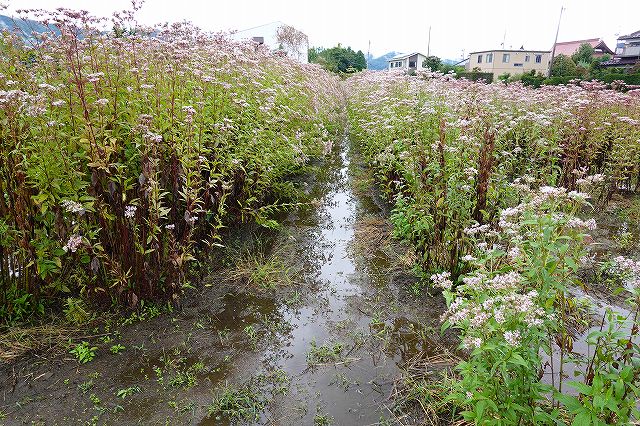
350	392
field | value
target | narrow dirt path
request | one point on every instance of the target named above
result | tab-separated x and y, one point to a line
325	349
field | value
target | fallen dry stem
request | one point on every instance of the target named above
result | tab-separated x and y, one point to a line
19	341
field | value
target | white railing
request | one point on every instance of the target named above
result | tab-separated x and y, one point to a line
631	51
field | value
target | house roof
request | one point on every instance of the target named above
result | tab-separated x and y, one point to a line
570	47
510	50
404	56
632	35
616	62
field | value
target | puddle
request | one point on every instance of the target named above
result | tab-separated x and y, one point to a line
349	391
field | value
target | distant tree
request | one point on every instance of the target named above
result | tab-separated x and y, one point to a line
446	68
563	66
433	63
361	61
584	55
338	59
312	54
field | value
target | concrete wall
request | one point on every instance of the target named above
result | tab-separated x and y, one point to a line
516	63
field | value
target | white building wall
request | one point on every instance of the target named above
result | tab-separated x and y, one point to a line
269	33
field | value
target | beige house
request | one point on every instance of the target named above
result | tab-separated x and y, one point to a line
514	62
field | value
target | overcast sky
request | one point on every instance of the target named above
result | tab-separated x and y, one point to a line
398	25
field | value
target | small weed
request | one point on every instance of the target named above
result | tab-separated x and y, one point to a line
94	399
146	312
93	421
85	386
325	353
322	420
275	326
223	334
187	378
76	311
260	270
343	382
625	240
245	403
248	401
294	299
252	334
83	352
116	349
127	392
177	372
183	406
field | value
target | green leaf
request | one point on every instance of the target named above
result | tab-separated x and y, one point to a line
572	403
581	387
582	419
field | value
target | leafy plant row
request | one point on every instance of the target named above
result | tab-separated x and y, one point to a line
447	151
125	154
487	183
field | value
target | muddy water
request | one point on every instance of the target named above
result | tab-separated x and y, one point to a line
353	390
599	301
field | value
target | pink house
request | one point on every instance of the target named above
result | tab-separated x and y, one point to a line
570	47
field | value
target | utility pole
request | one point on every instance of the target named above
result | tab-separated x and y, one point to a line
429	43
553	50
368	53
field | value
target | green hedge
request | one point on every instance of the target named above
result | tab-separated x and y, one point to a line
627	78
631	79
475	76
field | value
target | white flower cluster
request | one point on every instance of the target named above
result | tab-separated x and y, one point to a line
73	207
512	337
130	211
503	309
629	269
442	280
73	244
591	180
477	229
576	222
95	77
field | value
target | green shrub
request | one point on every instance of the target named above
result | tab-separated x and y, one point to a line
476	76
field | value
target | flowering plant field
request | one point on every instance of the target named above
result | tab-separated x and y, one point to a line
449	151
487	183
123	152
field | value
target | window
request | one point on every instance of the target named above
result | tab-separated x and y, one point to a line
527	58
517	65
489	58
399	64
538	59
412	64
479	59
506	57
